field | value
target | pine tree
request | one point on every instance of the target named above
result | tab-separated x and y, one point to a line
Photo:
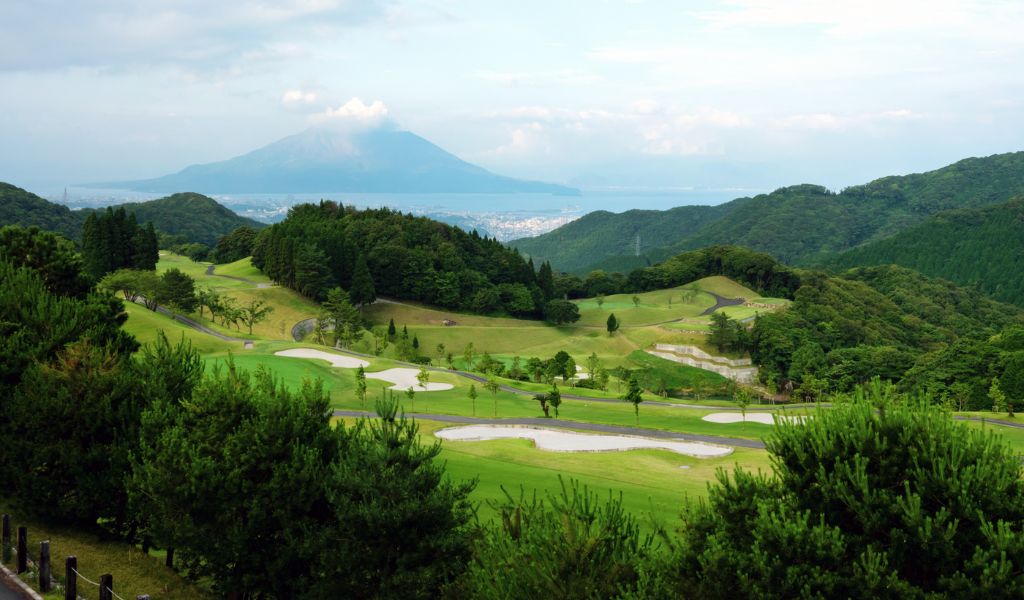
612	324
546	280
362	290
391	329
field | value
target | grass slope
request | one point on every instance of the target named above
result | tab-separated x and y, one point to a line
134	573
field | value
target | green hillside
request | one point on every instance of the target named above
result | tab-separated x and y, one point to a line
797	224
980	248
20	207
578	245
196	217
192	216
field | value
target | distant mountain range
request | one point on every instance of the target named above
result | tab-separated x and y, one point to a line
322	159
800	225
193	216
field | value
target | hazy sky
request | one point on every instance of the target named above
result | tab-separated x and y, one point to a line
744	93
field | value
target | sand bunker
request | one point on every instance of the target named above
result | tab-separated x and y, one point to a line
568	441
755	417
336	360
403	379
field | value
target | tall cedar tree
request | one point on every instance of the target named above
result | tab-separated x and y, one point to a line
362	291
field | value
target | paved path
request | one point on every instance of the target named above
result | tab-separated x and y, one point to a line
9	591
1013	424
721	302
575	425
193	324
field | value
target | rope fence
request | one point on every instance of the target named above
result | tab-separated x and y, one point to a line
41	568
95	584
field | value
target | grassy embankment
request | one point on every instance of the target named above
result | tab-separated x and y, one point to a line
134	573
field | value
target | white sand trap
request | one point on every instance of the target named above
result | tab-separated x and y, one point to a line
568	441
406	378
336	360
755	417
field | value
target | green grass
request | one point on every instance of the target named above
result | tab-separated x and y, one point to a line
145	324
652	482
655	307
242	268
134	573
723	286
674	375
289	306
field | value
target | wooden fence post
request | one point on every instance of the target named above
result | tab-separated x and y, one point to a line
106	587
22	550
169	560
44	566
7	539
70	578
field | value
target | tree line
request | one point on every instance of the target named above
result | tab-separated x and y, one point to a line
113	240
320	247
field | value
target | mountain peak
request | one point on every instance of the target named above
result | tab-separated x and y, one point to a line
327	158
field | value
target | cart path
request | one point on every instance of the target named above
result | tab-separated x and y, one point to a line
721	302
193	324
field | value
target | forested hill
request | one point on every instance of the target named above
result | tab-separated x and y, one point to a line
194	217
798	224
19	207
578	245
388	253
980	248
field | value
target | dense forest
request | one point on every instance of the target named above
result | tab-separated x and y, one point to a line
798	224
979	248
187	217
319	247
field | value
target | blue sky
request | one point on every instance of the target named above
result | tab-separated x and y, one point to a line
638	94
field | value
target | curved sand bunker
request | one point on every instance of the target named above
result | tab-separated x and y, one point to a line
336	360
569	441
404	379
756	417
401	379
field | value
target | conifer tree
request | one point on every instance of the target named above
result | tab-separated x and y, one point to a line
362	290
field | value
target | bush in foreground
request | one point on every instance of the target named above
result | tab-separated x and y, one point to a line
882	496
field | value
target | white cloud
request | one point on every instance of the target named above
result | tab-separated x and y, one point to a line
355	111
527	141
296	98
952	18
839	122
559	77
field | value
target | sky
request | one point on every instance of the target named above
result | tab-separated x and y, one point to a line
601	94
